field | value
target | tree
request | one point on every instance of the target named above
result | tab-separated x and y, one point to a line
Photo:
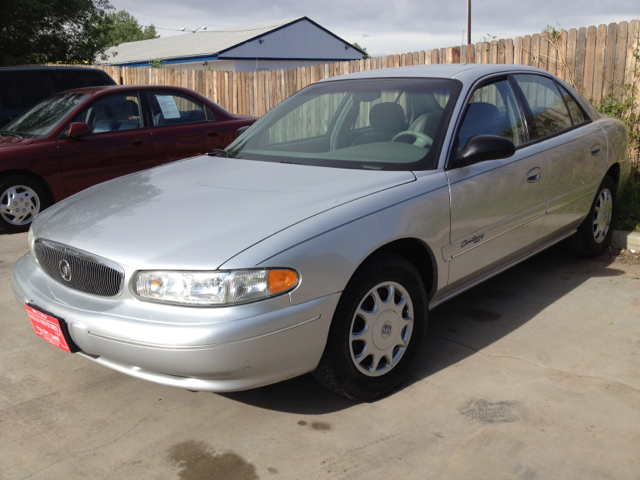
366	55
45	31
121	27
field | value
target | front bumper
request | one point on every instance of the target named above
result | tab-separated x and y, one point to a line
218	349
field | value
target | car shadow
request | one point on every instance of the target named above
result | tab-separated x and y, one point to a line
457	329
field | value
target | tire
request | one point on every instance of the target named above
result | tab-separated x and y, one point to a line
21	199
594	233
360	329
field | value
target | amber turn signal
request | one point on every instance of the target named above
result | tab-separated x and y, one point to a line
281	280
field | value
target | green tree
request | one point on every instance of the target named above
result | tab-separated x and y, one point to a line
121	27
49	31
366	55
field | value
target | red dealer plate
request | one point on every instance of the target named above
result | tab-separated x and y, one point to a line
48	328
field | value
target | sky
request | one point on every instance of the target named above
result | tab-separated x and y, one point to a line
387	26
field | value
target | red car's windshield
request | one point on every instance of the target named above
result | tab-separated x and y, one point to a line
44	117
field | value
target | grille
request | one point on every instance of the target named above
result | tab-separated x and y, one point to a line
86	273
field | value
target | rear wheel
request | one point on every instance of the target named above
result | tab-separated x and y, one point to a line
377	330
21	199
594	233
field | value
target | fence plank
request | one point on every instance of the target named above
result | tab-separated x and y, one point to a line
526	50
517	51
535	50
581	49
502	54
598	72
589	62
471	54
508	53
493	52
609	59
543	51
632	61
620	60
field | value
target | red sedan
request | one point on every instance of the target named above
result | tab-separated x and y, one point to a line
82	137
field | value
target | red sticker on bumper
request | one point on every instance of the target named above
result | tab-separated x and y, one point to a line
47	327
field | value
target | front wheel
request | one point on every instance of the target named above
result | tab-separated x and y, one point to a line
21	199
594	233
377	330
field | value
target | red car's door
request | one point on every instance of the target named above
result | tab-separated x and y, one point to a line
181	126
118	143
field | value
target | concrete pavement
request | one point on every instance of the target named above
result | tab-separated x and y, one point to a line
532	375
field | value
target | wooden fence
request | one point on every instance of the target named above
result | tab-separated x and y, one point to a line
597	61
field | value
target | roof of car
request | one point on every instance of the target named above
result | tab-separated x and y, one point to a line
101	88
461	71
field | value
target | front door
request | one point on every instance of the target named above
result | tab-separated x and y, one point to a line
117	145
497	206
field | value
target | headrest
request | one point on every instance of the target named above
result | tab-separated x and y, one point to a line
387	117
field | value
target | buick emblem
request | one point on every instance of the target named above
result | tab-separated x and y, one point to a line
386	330
65	270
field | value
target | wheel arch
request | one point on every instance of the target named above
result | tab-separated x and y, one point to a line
418	254
614	173
34	176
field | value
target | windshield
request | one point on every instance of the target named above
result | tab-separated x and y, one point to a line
382	124
45	116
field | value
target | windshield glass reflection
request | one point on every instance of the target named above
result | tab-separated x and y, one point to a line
44	117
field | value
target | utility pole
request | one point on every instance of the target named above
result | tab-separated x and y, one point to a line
468	22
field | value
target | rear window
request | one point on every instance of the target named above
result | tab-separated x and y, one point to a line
82	78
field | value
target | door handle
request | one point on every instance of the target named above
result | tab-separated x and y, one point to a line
595	149
533	175
137	142
212	134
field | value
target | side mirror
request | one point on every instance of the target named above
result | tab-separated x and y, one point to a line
484	147
77	129
241	130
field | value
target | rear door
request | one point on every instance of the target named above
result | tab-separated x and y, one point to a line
497	206
574	151
119	143
181	125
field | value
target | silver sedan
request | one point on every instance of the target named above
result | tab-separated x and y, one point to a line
320	239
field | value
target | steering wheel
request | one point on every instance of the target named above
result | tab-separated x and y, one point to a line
418	139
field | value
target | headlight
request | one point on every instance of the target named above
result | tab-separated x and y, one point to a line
212	288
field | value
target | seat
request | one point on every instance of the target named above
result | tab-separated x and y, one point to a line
387	119
129	115
481	119
103	119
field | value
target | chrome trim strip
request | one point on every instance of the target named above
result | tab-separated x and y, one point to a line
201	347
499	270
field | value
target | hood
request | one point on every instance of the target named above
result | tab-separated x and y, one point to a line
14	141
198	213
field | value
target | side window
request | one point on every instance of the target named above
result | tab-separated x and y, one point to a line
576	112
550	114
175	108
493	110
112	113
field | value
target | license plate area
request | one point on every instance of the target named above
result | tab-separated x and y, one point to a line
51	328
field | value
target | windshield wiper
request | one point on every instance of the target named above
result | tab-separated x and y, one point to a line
217	152
10	134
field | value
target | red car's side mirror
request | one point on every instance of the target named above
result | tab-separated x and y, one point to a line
77	129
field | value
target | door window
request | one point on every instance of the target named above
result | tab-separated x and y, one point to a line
493	110
112	113
576	112
175	108
549	112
